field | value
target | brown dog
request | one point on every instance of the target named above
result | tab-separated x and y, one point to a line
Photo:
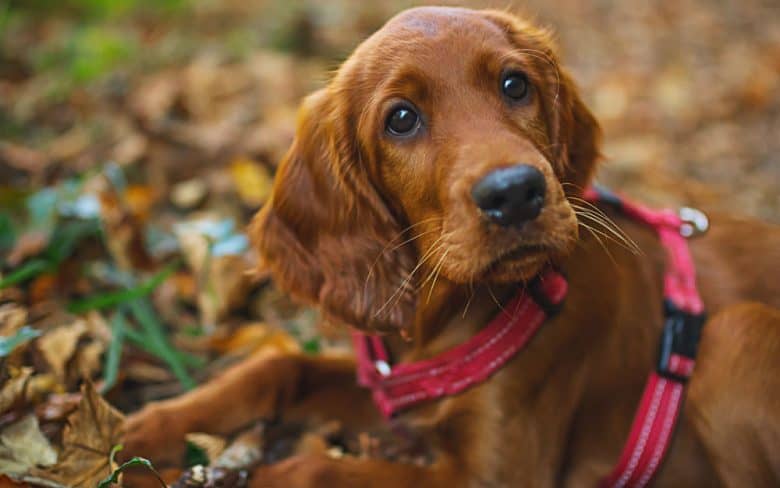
373	217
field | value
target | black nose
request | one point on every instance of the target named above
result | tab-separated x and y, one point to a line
511	196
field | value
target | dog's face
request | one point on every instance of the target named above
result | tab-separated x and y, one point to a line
449	144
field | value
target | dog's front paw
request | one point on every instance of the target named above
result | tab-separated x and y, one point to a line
156	433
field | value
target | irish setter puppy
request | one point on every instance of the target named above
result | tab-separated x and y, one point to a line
377	217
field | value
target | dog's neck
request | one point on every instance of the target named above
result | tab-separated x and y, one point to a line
451	313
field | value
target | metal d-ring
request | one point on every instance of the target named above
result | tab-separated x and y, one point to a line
694	222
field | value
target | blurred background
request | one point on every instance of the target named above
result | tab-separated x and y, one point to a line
137	138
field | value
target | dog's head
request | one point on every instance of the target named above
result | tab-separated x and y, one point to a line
449	144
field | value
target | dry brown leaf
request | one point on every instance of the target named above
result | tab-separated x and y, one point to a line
212	445
124	230
23	447
59	345
14	388
253	181
12	318
144	372
130	149
29	244
43	287
155	96
223	282
227	287
87	362
23	389
254	337
70	144
139	200
57	407
92	431
23	158
189	194
244	451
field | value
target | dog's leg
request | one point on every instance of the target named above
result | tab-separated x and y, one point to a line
351	472
259	387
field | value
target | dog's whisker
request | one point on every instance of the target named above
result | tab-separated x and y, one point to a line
609	227
603	231
436	273
396	295
471	297
386	249
607	222
595	233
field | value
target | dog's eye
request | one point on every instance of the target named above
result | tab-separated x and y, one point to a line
515	85
402	121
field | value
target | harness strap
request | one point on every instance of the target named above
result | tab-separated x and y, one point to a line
661	403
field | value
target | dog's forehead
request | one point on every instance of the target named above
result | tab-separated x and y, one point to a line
438	23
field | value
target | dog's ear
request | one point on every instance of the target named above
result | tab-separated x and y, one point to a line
577	136
325	232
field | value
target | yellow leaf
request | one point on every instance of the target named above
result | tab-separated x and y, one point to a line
255	337
253	181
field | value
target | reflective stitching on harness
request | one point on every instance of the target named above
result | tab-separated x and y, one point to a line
645	432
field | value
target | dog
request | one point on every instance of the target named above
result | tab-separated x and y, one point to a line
442	169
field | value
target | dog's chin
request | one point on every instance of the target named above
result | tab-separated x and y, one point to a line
519	265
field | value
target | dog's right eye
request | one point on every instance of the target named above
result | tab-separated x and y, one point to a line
402	121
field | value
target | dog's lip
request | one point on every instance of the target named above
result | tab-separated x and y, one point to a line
521	251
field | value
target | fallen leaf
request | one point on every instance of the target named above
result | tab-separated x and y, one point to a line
130	149
14	388
139	201
57	407
69	145
212	445
253	181
43	287
244	451
189	194
12	318
215	253
23	158
59	345
24	447
253	337
88	359
92	432
29	244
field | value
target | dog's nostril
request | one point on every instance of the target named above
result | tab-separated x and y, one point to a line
511	196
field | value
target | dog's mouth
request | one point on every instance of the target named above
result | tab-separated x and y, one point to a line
524	257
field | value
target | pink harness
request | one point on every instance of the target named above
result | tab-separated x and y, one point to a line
401	386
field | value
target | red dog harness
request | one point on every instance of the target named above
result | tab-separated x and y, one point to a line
403	385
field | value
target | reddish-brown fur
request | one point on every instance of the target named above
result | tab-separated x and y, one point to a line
352	214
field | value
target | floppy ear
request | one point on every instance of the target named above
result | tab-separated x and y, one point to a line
578	136
325	232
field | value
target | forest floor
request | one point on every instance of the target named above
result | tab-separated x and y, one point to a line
137	139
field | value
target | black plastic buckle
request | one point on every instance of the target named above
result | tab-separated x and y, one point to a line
606	196
681	335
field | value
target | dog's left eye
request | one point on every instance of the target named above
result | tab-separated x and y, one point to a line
403	121
515	85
